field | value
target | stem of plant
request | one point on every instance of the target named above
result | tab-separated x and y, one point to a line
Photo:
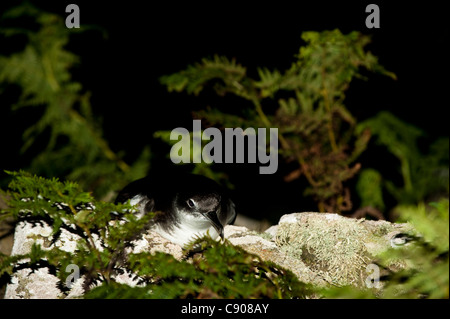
284	142
330	121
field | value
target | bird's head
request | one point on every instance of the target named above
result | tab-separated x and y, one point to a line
204	207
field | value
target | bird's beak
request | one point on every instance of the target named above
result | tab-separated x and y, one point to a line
212	216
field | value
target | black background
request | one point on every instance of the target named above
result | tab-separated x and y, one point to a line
146	40
172	308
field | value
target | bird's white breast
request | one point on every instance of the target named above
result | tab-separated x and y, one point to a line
187	230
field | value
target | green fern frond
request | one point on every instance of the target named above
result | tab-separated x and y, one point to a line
194	78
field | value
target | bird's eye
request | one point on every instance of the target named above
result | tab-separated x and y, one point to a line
191	203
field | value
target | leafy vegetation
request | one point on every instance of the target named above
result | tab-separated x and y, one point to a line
75	145
315	128
103	251
423	175
64	206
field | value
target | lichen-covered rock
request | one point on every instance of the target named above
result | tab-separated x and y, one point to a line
322	248
319	248
265	247
335	248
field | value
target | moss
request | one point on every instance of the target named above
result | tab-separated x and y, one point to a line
332	247
264	235
292	251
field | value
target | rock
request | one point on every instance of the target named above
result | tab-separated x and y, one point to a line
272	230
322	248
41	284
265	247
319	248
335	248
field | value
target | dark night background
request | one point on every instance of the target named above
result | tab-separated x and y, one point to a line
145	41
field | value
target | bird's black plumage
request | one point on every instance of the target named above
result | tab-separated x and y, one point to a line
186	205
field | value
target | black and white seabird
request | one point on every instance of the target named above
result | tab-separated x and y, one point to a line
186	206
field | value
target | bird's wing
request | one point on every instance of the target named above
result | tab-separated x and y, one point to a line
143	203
134	193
